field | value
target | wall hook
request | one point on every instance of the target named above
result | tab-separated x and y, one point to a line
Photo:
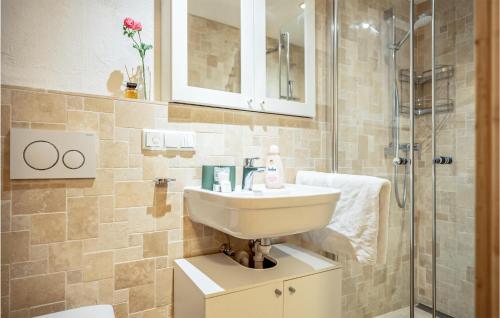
160	181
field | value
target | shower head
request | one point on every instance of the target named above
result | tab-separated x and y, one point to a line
423	20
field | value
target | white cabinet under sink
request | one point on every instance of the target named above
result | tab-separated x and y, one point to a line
303	284
316	295
261	302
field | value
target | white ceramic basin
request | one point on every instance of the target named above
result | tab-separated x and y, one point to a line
263	213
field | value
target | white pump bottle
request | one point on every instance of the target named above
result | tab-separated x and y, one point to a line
274	169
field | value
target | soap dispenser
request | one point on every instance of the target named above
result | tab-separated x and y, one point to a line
274	169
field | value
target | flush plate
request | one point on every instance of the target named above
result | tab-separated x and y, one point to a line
43	154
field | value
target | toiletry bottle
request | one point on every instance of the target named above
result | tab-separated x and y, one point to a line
274	169
131	90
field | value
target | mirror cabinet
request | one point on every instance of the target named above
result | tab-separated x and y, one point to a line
256	55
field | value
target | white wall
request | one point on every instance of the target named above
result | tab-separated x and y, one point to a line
71	45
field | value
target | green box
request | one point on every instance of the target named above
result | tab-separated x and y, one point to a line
208	177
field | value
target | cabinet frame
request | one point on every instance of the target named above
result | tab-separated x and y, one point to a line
282	106
180	89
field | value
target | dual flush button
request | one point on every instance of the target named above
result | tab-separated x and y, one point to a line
44	155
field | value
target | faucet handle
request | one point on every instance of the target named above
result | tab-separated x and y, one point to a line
249	162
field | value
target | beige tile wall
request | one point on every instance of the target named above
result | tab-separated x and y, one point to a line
68	243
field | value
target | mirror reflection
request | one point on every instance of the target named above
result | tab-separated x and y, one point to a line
285	49
214	44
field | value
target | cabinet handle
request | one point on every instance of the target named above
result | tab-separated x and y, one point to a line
277	292
250	102
291	289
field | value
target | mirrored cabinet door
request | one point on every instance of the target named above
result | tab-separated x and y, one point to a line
256	55
211	52
285	54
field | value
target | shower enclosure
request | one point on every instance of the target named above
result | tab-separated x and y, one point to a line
404	110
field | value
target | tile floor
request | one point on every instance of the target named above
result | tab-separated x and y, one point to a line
405	313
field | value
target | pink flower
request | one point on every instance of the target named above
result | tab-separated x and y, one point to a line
129	23
137	26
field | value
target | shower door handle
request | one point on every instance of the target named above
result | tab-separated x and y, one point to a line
443	160
400	161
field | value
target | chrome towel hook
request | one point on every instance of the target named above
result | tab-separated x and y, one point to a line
161	181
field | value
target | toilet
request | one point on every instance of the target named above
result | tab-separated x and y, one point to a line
99	311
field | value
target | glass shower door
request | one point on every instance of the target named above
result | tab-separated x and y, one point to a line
447	158
409	96
365	126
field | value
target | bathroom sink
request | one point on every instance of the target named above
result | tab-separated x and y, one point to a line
263	213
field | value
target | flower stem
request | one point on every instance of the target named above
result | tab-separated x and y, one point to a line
144	79
143	68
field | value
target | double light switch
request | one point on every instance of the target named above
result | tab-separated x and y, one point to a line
168	140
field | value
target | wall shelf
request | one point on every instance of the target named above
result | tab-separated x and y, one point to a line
443	72
423	104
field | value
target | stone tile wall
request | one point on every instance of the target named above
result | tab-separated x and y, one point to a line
69	243
113	240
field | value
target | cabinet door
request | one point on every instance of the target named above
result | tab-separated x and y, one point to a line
285	47
261	302
314	296
211	60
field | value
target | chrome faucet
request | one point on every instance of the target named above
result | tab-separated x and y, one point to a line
249	171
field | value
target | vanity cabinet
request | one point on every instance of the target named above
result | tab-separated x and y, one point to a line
256	55
303	284
258	302
316	295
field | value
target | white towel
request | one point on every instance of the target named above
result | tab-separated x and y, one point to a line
359	225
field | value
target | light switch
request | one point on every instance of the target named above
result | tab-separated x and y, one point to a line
171	140
188	141
168	140
152	139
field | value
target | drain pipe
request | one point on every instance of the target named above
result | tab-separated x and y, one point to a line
261	248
